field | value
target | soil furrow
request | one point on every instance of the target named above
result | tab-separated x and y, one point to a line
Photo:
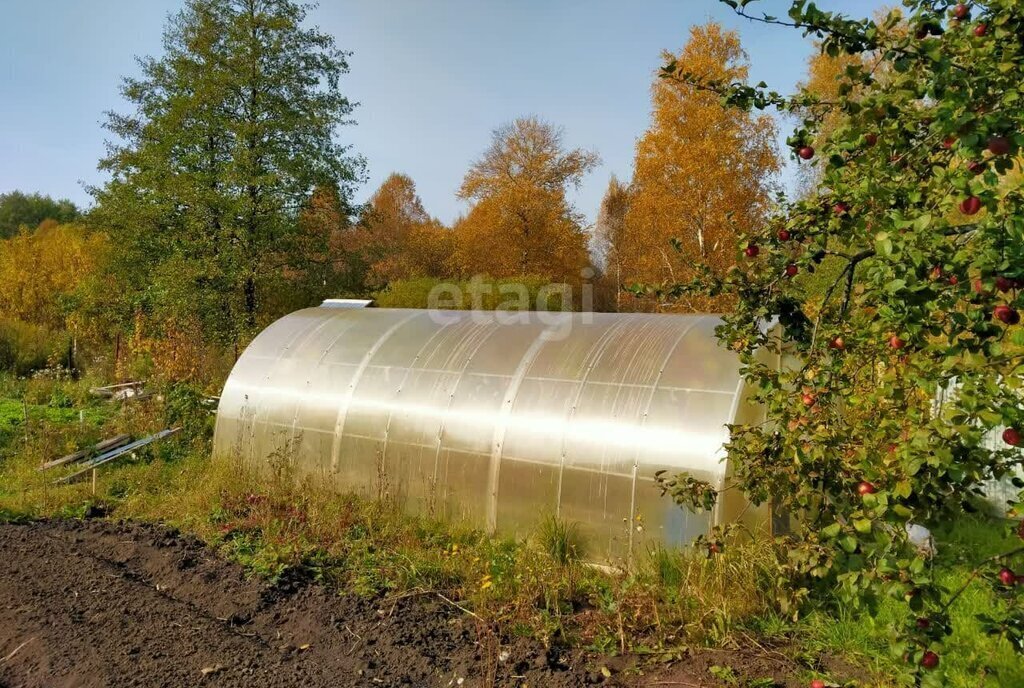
96	603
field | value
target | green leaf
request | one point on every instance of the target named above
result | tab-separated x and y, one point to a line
883	244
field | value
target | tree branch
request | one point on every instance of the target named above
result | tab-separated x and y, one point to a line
831	30
847	272
976	571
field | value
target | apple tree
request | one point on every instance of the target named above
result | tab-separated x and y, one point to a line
896	282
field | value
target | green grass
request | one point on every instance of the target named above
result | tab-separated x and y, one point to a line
561	540
42	406
13	413
969	657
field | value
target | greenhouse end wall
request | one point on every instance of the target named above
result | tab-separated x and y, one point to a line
498	419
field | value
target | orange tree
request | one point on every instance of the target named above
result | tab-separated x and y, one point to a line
915	210
521	222
701	170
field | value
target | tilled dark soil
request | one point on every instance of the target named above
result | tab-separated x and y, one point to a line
98	603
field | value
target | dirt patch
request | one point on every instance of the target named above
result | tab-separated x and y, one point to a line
754	664
94	603
97	603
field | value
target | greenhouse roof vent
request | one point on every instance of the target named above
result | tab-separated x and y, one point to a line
346	303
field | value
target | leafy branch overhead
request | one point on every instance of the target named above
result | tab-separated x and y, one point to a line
896	283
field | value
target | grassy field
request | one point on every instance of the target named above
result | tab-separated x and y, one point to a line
278	525
969	658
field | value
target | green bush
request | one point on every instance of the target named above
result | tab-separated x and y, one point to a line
25	347
186	407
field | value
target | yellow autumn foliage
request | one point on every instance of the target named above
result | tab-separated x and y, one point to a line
703	173
41	270
521	222
398	238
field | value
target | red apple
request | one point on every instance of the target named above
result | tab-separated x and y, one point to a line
930	660
896	343
1007	314
808	399
837	343
714	547
954	280
975	167
871	139
1007	577
970	205
961	11
784	235
948	142
791	270
806	152
841	208
937	272
923	623
751	251
817	683
980	30
1012	437
866	488
1004	283
999	145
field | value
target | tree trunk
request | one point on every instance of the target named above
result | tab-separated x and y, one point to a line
618	285
250	300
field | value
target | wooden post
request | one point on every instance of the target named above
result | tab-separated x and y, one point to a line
117	354
94	482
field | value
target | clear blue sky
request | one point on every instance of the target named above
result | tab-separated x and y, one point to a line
433	78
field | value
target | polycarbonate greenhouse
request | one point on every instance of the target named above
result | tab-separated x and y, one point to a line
498	418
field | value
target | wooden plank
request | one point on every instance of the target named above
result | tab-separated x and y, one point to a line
98	448
134	383
111	390
115	453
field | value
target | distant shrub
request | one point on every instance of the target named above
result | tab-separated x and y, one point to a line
185	406
60	398
25	347
44	271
